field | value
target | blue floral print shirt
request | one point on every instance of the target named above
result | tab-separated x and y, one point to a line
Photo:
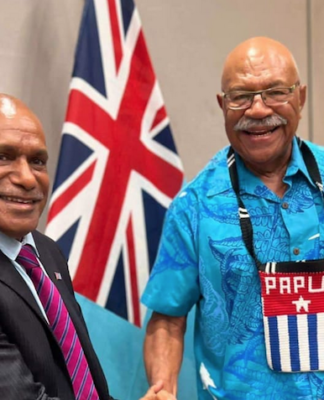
202	260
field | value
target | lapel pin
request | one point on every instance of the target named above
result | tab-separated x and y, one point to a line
58	276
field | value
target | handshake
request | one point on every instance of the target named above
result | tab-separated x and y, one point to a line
156	392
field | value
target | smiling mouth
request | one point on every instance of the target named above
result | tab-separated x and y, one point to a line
262	132
18	200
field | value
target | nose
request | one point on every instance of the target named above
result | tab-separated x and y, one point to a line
23	175
258	109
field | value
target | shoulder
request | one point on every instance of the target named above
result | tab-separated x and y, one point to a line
43	240
52	257
318	152
211	180
46	245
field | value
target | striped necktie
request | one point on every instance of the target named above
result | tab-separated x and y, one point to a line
61	325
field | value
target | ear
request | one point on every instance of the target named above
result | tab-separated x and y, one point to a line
220	100
302	96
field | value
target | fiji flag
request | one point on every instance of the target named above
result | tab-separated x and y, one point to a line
293	309
118	168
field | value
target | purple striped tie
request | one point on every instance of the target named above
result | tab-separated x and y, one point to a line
62	326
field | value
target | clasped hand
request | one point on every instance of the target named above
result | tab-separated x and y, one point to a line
156	392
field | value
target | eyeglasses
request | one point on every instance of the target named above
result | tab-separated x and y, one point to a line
241	99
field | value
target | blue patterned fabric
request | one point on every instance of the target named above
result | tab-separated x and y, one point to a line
202	260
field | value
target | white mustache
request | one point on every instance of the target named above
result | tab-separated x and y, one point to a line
246	123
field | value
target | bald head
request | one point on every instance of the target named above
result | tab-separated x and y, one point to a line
9	105
259	57
12	109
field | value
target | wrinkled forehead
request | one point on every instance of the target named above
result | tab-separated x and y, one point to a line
264	65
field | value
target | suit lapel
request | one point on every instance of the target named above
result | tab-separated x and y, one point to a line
54	266
53	271
49	264
54	262
11	278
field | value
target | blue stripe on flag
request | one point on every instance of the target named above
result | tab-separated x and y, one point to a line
127	12
154	216
293	343
72	154
274	343
88	63
117	301
312	341
165	138
66	240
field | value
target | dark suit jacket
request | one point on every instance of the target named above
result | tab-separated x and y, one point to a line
32	365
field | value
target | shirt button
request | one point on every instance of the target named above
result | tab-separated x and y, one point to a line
285	205
296	251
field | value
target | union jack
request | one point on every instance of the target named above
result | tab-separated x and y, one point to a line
118	168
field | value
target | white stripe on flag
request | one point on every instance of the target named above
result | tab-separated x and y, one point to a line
320	340
284	342
267	341
302	324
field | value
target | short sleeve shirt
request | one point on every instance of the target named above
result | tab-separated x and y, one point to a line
202	260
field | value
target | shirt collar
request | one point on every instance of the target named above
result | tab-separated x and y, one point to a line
249	181
220	181
11	247
297	163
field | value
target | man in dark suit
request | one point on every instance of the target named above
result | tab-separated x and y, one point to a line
45	350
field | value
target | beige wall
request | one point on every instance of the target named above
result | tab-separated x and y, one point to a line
188	41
